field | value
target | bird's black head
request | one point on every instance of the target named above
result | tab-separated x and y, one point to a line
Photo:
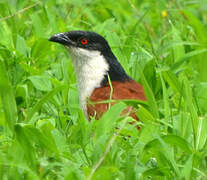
82	39
85	45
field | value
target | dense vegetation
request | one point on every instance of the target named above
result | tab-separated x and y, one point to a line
43	133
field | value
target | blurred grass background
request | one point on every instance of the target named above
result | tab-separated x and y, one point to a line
43	133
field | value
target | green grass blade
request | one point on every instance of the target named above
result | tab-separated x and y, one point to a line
26	145
166	100
202	131
171	140
7	96
40	139
44	99
149	94
107	121
192	109
187	169
172	80
187	57
198	26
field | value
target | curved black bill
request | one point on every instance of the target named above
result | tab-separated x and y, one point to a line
61	38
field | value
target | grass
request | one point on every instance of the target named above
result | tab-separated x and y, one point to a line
43	132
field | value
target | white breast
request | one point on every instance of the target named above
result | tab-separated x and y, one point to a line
90	67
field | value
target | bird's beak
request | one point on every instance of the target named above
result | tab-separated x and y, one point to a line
61	38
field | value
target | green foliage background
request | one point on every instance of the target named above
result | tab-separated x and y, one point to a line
43	133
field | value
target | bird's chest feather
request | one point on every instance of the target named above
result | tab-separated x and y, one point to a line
90	68
121	90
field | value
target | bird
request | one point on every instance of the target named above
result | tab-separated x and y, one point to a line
97	70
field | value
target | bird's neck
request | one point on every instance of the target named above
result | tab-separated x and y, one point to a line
90	71
116	71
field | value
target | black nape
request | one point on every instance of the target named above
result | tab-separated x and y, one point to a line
116	71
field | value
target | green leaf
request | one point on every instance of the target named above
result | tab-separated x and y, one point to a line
187	169
200	94
39	104
6	35
157	172
41	83
179	43
144	115
52	19
38	25
107	121
192	109
166	100
149	94
21	46
40	49
171	140
26	145
35	135
173	81
7	96
186	58
200	30
201	134
178	51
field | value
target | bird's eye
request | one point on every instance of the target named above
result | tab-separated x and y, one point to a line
84	41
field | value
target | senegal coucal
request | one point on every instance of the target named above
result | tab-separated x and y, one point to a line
93	62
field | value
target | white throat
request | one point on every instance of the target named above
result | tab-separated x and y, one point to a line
90	67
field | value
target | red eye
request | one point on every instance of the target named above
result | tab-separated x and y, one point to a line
84	41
